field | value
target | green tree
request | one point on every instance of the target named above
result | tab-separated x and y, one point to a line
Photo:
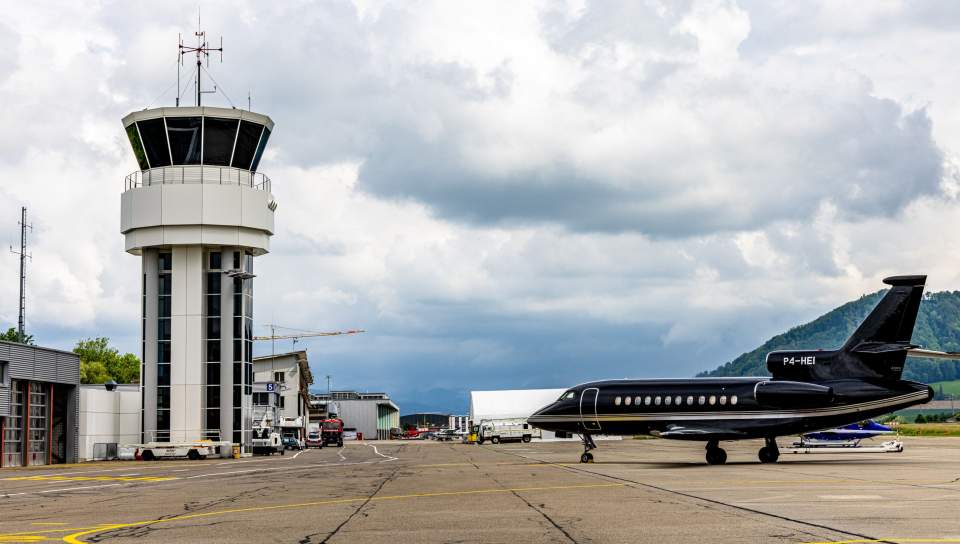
99	362
93	372
920	419
12	336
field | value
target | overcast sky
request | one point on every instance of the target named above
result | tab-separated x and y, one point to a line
507	195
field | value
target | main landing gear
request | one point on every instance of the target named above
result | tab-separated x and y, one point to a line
588	445
769	453
715	454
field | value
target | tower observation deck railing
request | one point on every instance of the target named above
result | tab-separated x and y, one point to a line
179	175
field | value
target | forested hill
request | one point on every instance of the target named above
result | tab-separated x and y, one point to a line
938	327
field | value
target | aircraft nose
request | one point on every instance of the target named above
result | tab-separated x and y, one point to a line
539	417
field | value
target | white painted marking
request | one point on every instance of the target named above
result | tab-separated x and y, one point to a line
849	497
375	450
340	453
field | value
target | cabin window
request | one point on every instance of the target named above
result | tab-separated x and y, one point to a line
690	400
646	400
713	400
733	399
668	400
617	401
627	401
702	400
636	401
723	400
657	401
678	400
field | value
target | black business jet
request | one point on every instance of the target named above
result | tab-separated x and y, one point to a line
808	390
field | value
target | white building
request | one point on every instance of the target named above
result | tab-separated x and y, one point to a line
372	414
291	373
513	404
108	419
196	213
459	423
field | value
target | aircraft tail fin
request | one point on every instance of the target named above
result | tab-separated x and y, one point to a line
890	325
878	348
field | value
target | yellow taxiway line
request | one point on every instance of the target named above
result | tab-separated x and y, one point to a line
79	532
899	540
91	478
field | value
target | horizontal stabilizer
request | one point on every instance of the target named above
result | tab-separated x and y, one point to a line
931	354
880	347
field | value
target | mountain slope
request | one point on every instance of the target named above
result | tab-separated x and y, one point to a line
938	327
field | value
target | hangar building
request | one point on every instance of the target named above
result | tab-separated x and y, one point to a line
510	404
39	404
372	414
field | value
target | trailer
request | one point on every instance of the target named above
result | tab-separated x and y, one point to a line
173	450
890	446
505	430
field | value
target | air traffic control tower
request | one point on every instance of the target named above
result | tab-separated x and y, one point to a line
196	213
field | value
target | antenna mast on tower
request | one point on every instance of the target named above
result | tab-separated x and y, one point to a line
202	50
21	334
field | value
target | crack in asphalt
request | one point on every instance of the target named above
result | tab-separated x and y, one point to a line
307	539
714	502
540	511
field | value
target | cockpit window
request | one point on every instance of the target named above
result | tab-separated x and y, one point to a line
568	395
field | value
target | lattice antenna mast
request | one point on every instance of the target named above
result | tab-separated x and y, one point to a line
21	333
202	51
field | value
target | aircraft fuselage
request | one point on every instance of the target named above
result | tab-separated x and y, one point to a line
708	409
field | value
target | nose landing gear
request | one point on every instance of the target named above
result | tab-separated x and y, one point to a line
588	445
715	454
769	453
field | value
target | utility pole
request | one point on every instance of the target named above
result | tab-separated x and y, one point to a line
329	377
21	333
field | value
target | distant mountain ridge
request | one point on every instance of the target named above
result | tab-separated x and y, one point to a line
938	327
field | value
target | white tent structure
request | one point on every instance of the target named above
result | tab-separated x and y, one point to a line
510	404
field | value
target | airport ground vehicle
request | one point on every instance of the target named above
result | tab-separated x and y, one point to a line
291	443
506	430
314	440
166	450
809	390
331	432
267	442
446	435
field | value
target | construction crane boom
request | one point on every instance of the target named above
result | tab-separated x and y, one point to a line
307	335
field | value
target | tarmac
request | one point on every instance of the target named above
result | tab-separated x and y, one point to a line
637	491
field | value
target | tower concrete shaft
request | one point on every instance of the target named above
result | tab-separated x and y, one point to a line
197	212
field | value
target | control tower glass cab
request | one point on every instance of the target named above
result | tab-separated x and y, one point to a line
197	212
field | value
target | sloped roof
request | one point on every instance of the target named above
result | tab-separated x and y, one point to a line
509	404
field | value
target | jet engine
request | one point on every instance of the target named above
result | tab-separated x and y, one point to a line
787	394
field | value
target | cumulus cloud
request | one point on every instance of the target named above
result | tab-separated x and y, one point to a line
517	195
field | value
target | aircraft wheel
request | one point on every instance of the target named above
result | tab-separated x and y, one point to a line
768	455
586	458
716	456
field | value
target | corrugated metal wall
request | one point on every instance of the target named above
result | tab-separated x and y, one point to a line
33	363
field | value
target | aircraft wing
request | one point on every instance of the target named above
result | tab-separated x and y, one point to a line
697	433
931	354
